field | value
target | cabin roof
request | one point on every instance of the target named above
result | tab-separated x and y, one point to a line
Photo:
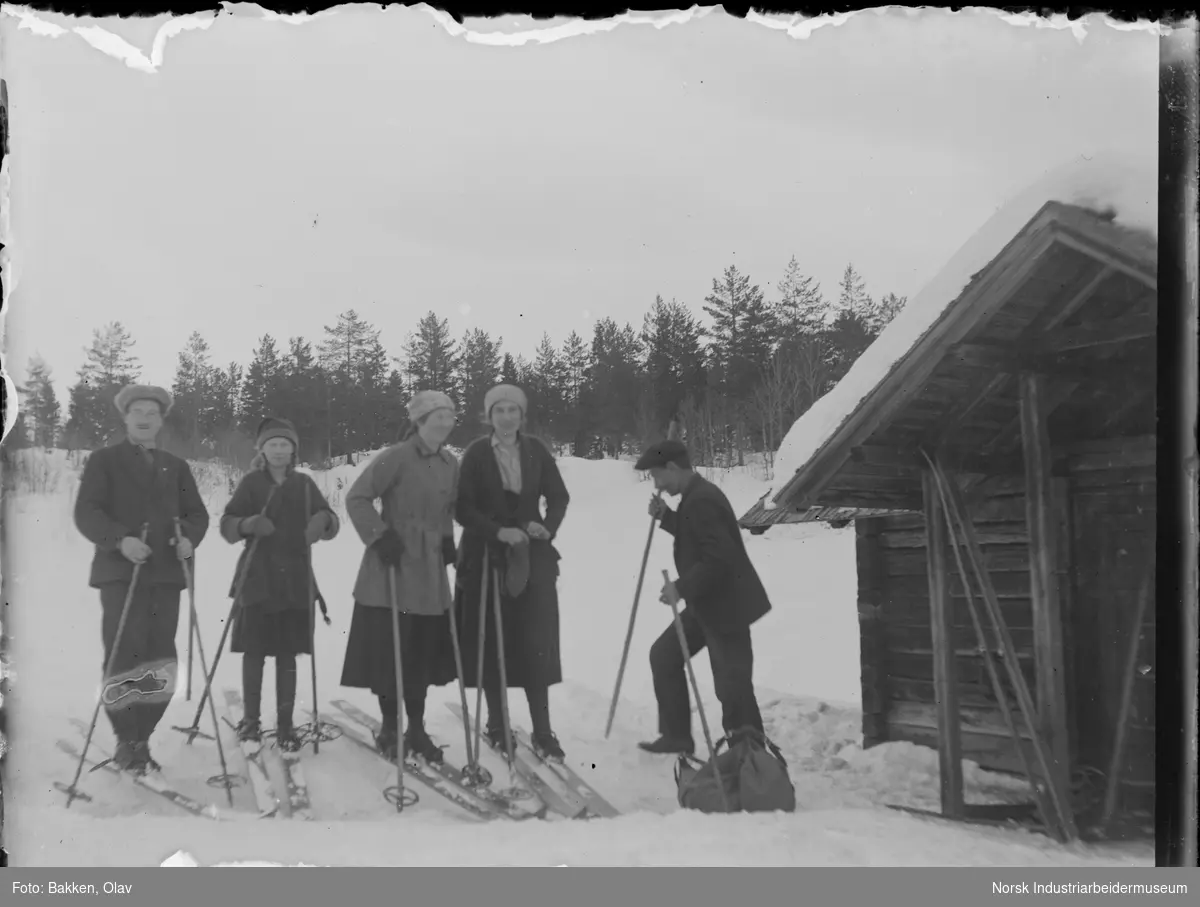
1074	293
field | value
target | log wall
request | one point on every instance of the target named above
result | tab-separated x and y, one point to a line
1106	546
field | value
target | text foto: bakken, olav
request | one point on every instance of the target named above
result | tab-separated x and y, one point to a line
70	888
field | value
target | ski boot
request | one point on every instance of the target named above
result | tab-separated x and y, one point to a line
125	756
546	745
386	743
249	731
670	746
285	737
495	739
418	743
142	760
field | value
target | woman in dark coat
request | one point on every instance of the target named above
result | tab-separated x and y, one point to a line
502	479
274	620
414	482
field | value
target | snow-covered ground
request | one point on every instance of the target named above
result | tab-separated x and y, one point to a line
807	672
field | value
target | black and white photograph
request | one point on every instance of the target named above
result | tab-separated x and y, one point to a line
682	439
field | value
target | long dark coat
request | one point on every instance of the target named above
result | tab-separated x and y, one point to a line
531	620
716	578
275	598
118	493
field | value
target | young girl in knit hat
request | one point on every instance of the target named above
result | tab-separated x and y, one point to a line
274	619
505	476
414	482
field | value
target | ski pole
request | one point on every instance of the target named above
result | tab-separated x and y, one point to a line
190	577
193	730
472	772
479	652
637	595
191	642
112	660
312	623
192	630
687	661
500	663
399	801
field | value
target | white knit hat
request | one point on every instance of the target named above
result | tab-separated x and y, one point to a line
505	393
426	402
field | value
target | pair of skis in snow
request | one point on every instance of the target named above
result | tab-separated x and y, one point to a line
563	792
553	785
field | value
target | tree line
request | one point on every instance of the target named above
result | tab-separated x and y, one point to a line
731	387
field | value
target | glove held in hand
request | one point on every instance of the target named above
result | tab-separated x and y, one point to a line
389	547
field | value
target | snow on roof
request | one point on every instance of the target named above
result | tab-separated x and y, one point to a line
1126	186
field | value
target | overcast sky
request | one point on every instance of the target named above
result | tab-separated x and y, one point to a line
271	176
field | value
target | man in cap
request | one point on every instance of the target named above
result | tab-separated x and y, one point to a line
724	597
126	490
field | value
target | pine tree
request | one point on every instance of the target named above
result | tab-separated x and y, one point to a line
801	309
189	419
508	371
743	332
39	403
478	371
887	309
356	365
432	357
261	387
673	362
110	364
853	296
547	382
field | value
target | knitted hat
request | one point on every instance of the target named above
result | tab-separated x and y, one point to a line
505	393
426	402
273	427
131	393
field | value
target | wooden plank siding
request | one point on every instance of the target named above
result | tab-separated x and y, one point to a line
902	636
1106	543
1114	514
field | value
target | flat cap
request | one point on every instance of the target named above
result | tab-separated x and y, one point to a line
662	453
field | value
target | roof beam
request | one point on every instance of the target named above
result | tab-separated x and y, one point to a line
1107	259
1119	330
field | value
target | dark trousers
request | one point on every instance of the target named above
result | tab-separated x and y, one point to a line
732	658
142	682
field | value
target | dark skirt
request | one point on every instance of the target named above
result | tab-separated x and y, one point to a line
426	651
263	634
530	623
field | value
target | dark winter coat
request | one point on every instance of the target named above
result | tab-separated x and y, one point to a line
119	492
716	578
278	577
530	620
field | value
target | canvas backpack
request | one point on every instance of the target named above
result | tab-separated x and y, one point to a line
752	771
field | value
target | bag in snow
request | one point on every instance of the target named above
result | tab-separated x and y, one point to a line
753	770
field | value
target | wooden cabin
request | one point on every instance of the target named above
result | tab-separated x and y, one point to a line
1035	392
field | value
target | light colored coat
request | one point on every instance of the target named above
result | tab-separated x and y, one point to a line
417	487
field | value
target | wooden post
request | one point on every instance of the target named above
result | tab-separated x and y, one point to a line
1044	539
872	629
945	675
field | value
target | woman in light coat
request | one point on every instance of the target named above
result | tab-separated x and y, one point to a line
415	480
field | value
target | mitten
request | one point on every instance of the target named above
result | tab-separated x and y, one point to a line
449	554
317	524
516	573
389	547
257	525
